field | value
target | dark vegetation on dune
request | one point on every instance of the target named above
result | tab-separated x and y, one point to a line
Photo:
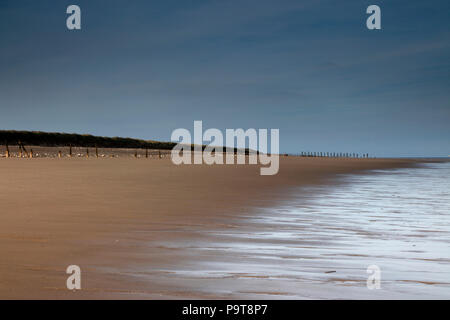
55	139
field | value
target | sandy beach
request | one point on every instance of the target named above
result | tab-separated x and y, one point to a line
112	217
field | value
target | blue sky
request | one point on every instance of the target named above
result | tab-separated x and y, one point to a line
310	68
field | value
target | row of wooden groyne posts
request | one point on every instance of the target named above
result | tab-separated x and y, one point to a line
333	155
23	152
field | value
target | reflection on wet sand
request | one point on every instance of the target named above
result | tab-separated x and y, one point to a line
320	244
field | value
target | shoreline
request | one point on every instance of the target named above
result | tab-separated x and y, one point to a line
112	217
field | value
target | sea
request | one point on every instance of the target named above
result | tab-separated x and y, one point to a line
384	234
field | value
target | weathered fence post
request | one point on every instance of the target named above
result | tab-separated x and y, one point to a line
70	151
7	150
20	149
25	150
87	152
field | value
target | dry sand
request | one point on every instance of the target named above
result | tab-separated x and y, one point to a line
109	216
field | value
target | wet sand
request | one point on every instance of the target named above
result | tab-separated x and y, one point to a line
114	217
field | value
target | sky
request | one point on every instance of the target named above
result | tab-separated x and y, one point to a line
309	68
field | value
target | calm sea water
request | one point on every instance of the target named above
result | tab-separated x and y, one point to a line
319	244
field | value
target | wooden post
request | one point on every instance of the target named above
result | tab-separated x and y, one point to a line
96	152
87	152
20	149
24	150
146	153
70	151
7	150
159	153
59	154
31	153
